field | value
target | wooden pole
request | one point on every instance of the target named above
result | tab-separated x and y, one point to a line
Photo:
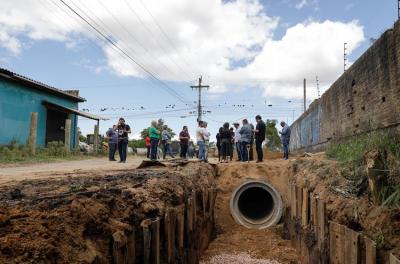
131	247
146	241
119	247
96	138
33	133
67	135
155	240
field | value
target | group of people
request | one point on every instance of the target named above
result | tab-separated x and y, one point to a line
242	138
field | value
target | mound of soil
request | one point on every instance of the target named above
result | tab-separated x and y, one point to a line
347	202
71	220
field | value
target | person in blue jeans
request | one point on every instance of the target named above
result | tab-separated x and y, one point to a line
123	131
112	137
285	137
245	136
154	135
201	141
166	140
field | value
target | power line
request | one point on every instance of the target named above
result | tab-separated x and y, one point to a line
154	37
135	39
109	40
163	32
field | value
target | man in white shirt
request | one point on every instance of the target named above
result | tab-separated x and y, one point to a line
237	141
206	135
201	141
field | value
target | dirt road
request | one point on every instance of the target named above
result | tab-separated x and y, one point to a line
58	169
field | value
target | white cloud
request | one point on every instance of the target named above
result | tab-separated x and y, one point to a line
230	41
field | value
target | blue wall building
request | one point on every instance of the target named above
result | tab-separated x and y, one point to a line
19	96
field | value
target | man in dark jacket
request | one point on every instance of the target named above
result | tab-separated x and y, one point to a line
259	135
285	137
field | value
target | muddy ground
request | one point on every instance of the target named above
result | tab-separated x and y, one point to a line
71	219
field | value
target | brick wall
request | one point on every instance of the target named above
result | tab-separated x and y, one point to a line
364	99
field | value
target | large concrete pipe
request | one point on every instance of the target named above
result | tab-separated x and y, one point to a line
256	204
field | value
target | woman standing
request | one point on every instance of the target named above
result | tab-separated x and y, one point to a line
226	139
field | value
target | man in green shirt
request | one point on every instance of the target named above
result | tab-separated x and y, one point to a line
154	135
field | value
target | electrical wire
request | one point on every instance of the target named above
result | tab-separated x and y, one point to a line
113	43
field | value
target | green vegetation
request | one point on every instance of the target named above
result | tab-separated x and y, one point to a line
355	149
20	153
137	143
351	155
273	138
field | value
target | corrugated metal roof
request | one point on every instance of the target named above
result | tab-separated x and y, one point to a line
74	111
9	75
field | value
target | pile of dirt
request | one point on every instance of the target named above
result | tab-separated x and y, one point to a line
264	245
71	220
347	202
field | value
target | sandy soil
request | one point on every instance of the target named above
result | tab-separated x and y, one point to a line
249	246
59	169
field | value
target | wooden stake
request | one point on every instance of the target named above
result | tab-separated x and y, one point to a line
169	229
370	251
351	246
119	247
293	203
305	209
155	240
212	196
321	222
146	241
180	227
131	248
33	133
67	135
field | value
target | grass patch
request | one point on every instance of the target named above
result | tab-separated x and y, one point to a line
15	153
354	149
350	155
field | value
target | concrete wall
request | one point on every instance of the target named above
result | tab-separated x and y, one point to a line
364	99
16	104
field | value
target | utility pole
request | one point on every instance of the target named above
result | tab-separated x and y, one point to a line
345	56
199	106
398	9
305	95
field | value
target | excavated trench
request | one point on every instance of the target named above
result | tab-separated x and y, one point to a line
160	213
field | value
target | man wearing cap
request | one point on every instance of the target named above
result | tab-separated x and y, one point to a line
123	131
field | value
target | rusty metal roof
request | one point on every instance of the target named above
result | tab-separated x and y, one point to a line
9	75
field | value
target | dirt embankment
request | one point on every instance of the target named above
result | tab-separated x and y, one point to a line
348	200
236	244
72	219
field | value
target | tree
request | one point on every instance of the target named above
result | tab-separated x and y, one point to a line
160	123
273	138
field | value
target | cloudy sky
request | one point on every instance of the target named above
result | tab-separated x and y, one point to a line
254	54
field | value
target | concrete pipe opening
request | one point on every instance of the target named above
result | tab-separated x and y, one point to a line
256	204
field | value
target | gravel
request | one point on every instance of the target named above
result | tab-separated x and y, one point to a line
237	258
